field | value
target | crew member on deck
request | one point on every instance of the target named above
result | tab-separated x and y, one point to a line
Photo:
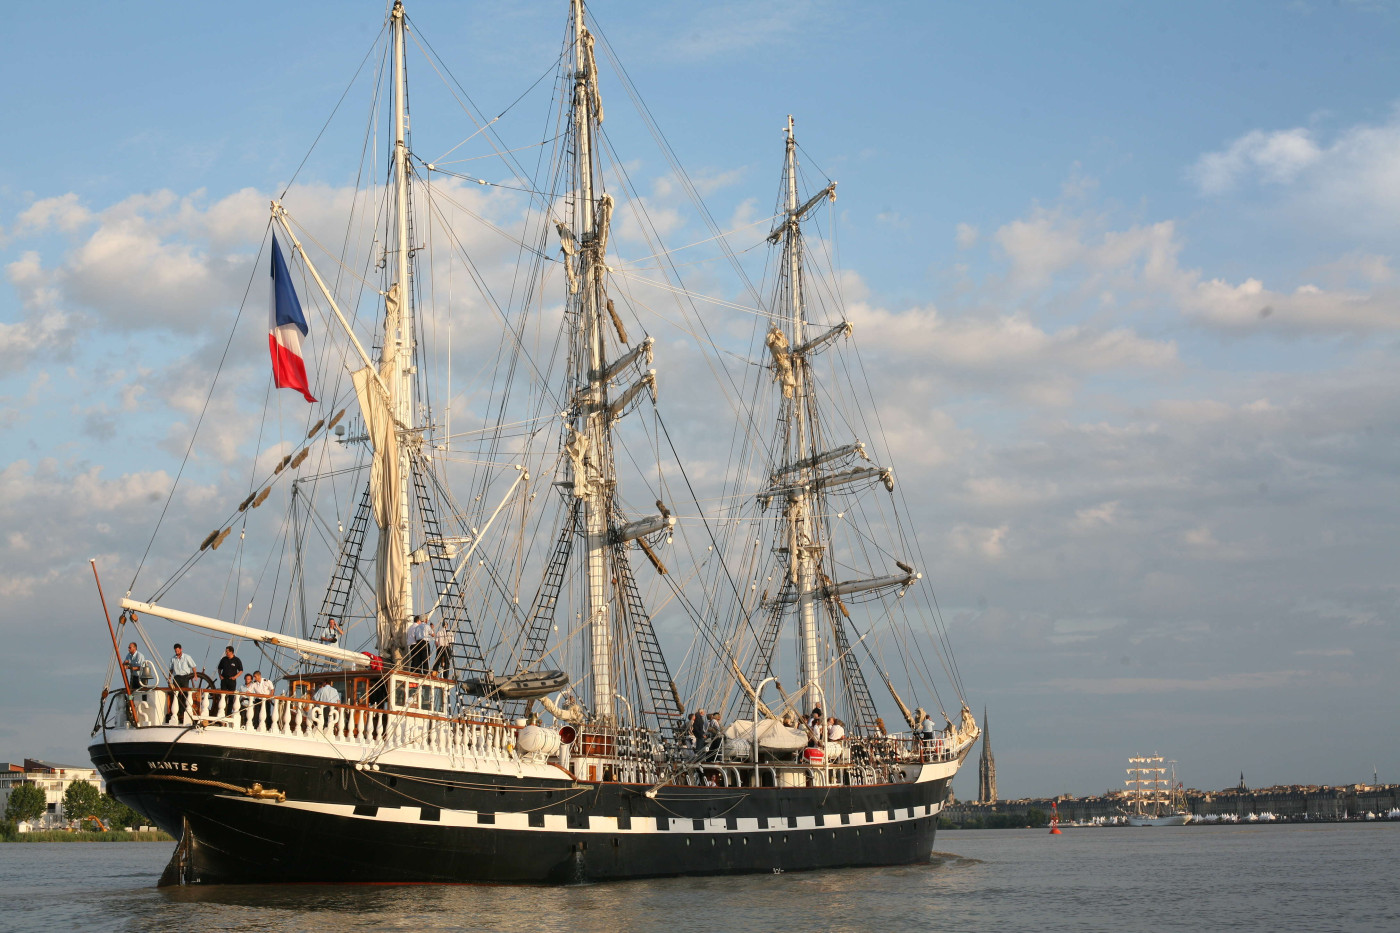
714	736
327	694
442	641
245	703
182	671
133	663
229	669
262	707
420	647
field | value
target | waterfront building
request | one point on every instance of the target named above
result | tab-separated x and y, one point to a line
986	767
53	779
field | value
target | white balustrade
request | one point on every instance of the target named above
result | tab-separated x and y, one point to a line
371	729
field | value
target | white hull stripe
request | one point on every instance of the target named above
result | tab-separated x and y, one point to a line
558	823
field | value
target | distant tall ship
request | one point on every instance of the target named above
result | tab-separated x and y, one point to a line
1154	798
483	695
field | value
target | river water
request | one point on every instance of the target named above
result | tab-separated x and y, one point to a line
1321	877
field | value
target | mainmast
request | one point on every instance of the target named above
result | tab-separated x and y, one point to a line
592	484
589	444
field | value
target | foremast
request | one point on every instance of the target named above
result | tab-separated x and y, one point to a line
386	396
589	442
398	332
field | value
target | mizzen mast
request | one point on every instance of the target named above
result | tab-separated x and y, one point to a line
804	542
804	471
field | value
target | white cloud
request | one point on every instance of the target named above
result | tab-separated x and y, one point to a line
989	543
1099	516
1278	158
716	29
1351	181
1058	255
1007	345
64	213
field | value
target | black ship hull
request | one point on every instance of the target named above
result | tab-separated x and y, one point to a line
339	824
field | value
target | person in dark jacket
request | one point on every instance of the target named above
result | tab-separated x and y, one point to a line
229	670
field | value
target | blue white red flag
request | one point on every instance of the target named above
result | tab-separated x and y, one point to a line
287	327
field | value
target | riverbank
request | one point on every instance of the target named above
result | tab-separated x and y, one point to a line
59	835
1283	803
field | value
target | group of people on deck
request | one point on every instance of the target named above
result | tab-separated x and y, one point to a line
183	671
429	647
701	734
429	650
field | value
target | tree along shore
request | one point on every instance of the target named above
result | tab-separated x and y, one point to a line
61	835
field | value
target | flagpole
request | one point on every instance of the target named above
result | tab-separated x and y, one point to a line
279	214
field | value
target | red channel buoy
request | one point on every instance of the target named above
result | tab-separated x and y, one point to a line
1054	819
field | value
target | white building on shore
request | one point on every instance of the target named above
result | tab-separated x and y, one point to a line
53	779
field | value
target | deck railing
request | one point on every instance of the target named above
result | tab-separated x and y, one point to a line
628	755
375	730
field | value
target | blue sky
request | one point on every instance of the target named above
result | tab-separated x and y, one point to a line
1135	265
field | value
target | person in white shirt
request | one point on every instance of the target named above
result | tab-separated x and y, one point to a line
442	641
182	671
420	646
133	664
245	703
327	694
261	707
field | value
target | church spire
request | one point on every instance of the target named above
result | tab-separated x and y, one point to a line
986	766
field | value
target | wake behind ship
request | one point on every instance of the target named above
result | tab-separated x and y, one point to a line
488	691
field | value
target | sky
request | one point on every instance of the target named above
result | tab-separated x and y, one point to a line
1128	274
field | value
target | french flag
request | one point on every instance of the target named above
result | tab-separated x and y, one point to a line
286	328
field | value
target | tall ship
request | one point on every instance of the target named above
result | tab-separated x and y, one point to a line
514	627
1153	796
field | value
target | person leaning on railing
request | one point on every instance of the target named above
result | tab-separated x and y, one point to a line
262	703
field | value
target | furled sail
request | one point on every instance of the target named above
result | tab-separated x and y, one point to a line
386	486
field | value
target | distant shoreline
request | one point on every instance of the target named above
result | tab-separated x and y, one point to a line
59	835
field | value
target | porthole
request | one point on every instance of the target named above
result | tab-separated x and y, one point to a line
393	781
